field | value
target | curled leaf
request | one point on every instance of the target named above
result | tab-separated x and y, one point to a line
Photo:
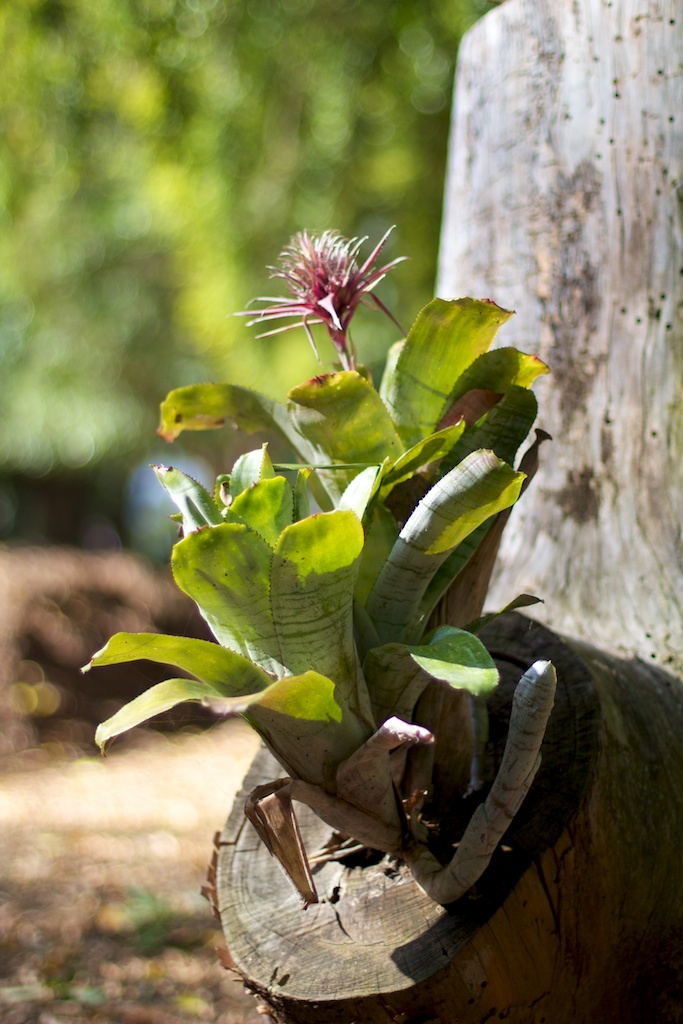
196	505
209	662
152	702
475	490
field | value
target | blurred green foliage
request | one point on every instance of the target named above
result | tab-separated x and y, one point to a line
155	155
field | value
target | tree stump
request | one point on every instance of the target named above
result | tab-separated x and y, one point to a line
521	947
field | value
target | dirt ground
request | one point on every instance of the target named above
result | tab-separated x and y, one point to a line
101	864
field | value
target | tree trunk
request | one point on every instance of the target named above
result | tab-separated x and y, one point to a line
564	201
578	918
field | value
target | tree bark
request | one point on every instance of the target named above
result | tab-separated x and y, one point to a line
563	201
578	918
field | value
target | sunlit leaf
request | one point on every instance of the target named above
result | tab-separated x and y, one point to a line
152	702
209	662
444	340
306	722
226	571
457	657
196	505
360	493
266	507
311	596
429	449
249	469
499	370
344	420
398	674
210	406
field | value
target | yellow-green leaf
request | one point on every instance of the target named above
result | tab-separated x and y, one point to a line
209	662
152	702
444	340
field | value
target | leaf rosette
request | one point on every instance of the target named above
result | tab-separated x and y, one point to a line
323	619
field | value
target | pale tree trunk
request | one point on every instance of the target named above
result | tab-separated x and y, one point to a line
563	202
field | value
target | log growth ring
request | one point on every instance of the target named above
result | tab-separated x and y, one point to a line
374	929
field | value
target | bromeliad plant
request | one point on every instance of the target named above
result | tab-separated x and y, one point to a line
322	618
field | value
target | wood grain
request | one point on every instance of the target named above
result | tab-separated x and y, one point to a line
375	931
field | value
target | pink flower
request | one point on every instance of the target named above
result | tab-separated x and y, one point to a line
326	286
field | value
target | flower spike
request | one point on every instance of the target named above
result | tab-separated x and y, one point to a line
326	285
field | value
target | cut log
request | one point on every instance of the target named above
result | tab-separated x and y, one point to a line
567	922
563	201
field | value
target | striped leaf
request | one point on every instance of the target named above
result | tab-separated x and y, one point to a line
226	572
478	488
444	340
345	422
312	580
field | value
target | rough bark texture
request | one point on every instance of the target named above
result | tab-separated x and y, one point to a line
564	201
574	921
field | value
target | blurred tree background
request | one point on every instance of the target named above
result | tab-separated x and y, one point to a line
155	156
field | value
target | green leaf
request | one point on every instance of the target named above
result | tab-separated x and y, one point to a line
380	537
266	507
311	596
360	494
503	429
395	681
302	505
195	503
499	371
210	406
364	632
161	697
226	571
457	504
307	724
389	368
436	446
444	340
345	421
209	662
448	572
221	491
320	730
249	469
457	657
481	485
397	675
521	601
